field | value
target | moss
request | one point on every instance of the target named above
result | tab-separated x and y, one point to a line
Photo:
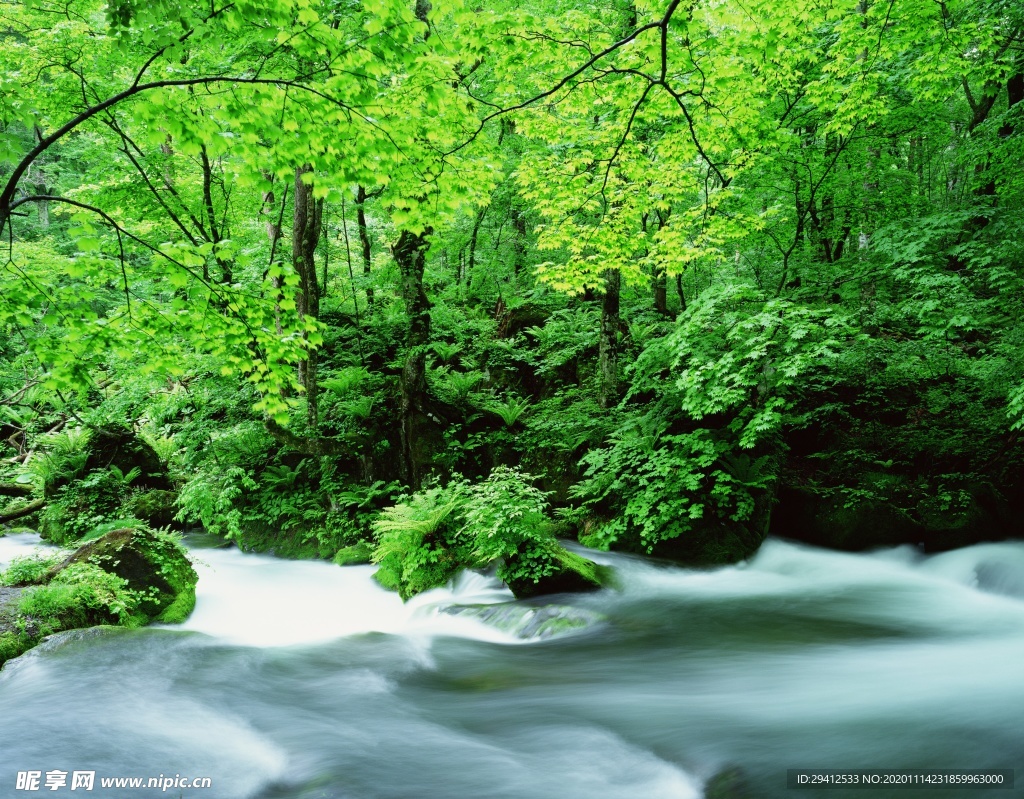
153	564
13	643
293	544
157	507
731	783
180	609
53	524
128	577
356	554
591	572
552	570
80	595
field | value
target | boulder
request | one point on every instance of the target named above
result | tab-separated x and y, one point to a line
563	572
354	555
121	447
851	525
527	622
127	577
153	564
891	515
156	507
729	783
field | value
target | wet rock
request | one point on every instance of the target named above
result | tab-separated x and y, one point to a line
891	512
730	783
569	573
529	622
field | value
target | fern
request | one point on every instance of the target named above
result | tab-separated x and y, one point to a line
347	381
510	411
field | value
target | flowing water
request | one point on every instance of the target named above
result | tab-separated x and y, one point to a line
302	680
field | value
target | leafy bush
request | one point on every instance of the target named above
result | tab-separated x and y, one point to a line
699	449
78	595
29	569
80	507
425	539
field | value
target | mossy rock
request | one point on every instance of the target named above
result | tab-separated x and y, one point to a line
128	577
296	543
711	542
355	555
156	507
528	622
53	524
121	447
730	783
154	564
571	574
980	513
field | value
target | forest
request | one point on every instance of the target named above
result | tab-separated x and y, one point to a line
444	286
522	399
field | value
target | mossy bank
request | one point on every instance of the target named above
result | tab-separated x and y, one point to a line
128	577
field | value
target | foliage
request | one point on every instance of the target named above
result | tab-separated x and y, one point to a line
815	211
29	569
78	595
62	458
737	359
85	506
424	540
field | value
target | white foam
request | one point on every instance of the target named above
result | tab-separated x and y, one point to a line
258	600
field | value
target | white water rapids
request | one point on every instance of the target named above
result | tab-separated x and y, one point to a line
304	679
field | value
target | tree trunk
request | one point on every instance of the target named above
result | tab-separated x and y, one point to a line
1014	95
979	113
472	245
410	254
608	346
306	228
364	240
680	292
519	245
24	510
659	284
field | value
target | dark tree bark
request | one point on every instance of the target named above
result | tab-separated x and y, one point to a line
519	244
985	182
679	291
364	239
659	284
608	343
216	234
25	510
1014	95
472	244
307	214
410	252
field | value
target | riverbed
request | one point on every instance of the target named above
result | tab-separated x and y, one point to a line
303	679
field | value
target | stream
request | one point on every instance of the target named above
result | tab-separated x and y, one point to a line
295	680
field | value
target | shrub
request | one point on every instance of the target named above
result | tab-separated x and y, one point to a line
80	594
29	569
425	539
